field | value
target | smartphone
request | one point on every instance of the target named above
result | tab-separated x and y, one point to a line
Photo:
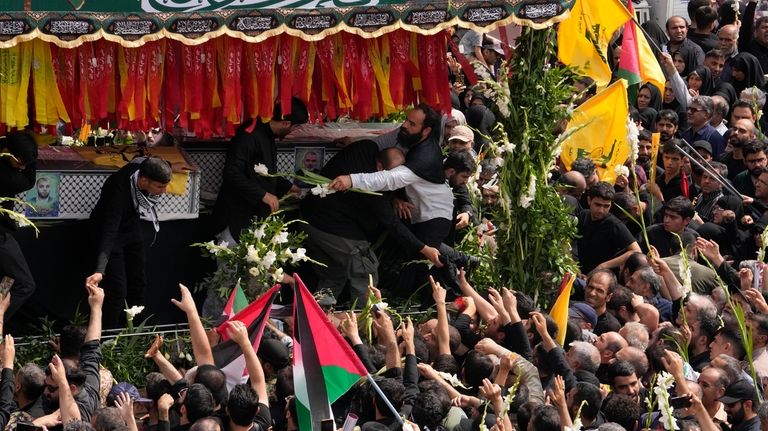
27	426
5	285
350	422
680	402
327	425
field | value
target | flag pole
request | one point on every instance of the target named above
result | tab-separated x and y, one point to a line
386	400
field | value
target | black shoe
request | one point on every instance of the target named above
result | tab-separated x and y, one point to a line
472	263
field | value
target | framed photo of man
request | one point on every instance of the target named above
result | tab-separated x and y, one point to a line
44	197
310	159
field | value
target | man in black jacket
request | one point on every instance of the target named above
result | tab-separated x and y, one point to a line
245	192
127	195
17	174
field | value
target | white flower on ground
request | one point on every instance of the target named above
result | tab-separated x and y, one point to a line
133	311
322	190
530	196
254	271
278	275
621	170
259	232
252	255
280	238
632	138
261	169
269	259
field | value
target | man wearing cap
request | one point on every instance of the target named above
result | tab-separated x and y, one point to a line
491	51
245	193
583	315
741	403
462	139
17	174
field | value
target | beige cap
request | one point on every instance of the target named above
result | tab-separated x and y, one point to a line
462	133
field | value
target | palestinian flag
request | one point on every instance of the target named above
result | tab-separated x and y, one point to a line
236	303
227	355
637	63
324	370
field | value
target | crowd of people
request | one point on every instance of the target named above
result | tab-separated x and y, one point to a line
670	305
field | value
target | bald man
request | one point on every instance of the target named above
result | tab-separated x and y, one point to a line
727	41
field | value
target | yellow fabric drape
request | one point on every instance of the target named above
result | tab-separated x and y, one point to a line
49	105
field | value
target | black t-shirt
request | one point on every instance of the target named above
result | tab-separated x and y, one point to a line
600	240
735	166
664	241
606	322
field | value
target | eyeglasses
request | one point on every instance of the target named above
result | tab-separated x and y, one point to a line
694	110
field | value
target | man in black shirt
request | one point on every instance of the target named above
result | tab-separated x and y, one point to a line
17	174
127	194
675	182
603	240
664	236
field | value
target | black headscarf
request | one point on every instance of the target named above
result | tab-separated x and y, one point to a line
726	90
656	98
462	96
707	84
648	118
481	120
687	51
753	72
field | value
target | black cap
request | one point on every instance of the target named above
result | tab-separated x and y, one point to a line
274	353
703	145
739	391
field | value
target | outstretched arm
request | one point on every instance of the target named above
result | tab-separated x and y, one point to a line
200	346
238	332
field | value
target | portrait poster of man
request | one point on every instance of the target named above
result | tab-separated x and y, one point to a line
310	159
44	196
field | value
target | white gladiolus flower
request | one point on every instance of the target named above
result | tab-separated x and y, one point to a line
299	255
269	259
280	238
621	170
322	190
259	232
278	275
133	311
632	138
252	254
261	169
507	147
530	196
663	383
254	271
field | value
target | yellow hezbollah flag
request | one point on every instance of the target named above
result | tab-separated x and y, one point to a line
559	311
598	130
582	39
650	70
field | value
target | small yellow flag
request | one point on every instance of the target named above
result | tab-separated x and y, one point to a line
559	311
599	131
582	39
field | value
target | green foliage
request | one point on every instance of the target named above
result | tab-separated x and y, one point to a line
534	227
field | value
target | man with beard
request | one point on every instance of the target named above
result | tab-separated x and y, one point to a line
44	205
755	160
741	403
677	29
741	133
422	176
116	232
727	39
644	147
244	193
711	191
666	125
459	166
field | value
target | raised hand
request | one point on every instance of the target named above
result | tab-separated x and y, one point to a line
186	304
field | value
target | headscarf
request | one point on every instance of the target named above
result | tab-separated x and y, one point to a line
753	72
707	84
648	118
462	96
687	51
656	98
726	90
481	120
